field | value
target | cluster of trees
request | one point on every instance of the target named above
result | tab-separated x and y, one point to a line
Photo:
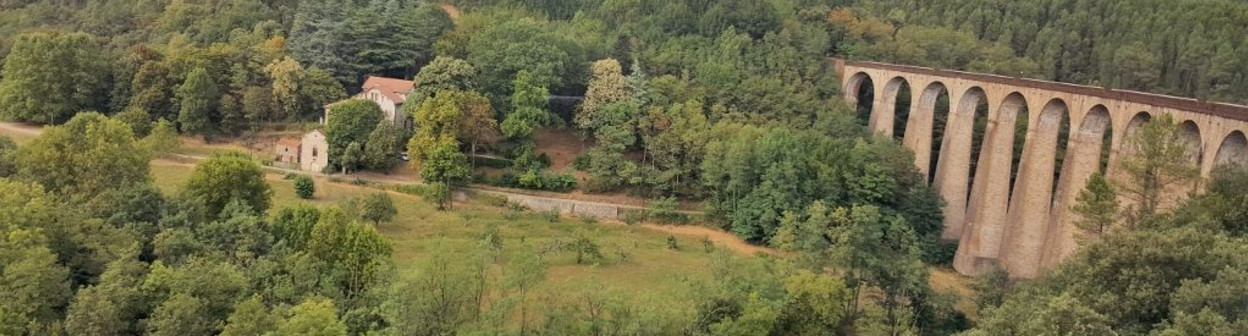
92	247
1179	271
1188	48
359	138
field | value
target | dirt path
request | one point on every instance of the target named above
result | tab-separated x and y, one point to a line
719	237
21	128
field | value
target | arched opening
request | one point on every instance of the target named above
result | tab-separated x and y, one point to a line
937	97
1233	151
1190	135
901	107
1063	142
1097	123
1137	122
861	94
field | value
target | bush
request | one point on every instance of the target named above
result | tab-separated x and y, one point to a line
664	211
305	188
589	219
491	162
492	199
551	215
632	216
412	189
535	179
672	243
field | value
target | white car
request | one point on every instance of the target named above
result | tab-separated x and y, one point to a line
403	156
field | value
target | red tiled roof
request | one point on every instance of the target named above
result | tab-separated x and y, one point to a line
393	88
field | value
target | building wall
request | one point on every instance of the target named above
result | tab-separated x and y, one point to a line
389	109
286	156
314	152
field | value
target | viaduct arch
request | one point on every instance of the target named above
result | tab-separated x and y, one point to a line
1014	212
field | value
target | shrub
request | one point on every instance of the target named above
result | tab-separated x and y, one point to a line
411	189
707	244
378	208
492	199
632	216
589	219
305	188
535	179
672	244
491	162
664	211
551	215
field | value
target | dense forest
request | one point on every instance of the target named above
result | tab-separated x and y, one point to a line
731	103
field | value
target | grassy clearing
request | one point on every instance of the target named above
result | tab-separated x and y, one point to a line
637	260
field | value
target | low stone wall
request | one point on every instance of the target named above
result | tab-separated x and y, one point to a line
570	207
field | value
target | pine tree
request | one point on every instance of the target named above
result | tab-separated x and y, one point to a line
1097	204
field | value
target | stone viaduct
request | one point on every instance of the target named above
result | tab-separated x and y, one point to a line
1023	223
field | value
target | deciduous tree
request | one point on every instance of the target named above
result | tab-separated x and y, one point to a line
225	177
49	77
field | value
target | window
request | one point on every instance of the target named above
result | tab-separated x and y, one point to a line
313	151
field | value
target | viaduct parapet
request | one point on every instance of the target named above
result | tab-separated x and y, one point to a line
1012	212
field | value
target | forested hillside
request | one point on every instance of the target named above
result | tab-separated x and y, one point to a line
1193	48
731	104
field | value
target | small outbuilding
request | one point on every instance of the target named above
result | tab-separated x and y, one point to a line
286	153
314	152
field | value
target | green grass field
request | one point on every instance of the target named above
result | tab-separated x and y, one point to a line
637	261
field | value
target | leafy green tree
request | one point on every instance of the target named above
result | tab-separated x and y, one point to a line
198	97
476	125
163	138
442	74
437	121
293	226
259	104
378	208
112	307
250	317
285	75
501	51
458	280
50	77
8	153
152	91
383	147
32	284
1157	164
84	157
444	166
318	88
181	314
608	85
528	111
348	122
1097	204
314	317
225	177
304	187
523	272
357	250
139	120
352	157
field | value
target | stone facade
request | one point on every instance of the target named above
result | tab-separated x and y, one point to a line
314	152
1028	227
286	153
